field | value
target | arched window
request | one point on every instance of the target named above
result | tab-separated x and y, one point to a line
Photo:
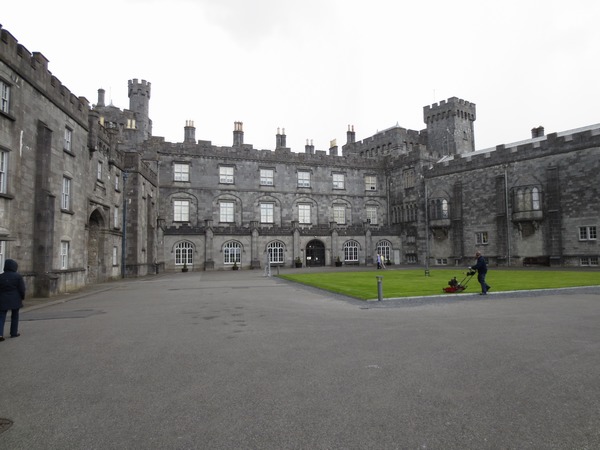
232	252
444	208
384	248
351	251
184	253
275	251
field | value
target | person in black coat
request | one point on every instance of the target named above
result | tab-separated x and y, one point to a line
12	293
481	268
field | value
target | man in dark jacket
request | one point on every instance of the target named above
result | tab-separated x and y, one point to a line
481	268
12	293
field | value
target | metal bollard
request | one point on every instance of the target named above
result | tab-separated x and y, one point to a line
379	288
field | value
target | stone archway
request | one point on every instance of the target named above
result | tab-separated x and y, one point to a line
95	249
315	253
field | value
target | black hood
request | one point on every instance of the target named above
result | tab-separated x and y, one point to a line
10	265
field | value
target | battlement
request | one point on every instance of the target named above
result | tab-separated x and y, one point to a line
33	68
549	145
454	106
142	88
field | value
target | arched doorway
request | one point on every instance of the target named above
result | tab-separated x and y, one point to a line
315	253
95	248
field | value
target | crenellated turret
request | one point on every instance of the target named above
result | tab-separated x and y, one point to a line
139	104
450	126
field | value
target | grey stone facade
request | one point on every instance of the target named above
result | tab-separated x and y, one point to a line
63	191
199	206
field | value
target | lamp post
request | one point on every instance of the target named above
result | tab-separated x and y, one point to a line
124	235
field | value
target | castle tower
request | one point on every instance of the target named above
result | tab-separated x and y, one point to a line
189	132
280	139
238	134
139	102
450	128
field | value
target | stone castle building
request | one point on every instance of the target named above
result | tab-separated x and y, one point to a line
88	194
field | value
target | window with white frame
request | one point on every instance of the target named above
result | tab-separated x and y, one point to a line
226	174
441	261
64	255
304	213
184	253
339	214
384	248
370	183
68	142
303	179
372	215
351	251
232	253
481	237
588	261
115	256
338	181
275	251
117	181
65	203
3	172
116	218
4	98
588	233
267	212
181	172
181	211
266	177
226	211
99	171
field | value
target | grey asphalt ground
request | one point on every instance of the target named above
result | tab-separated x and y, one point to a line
236	360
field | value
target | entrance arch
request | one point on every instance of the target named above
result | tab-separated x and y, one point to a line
315	253
95	248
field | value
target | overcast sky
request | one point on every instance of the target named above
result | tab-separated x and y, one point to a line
314	67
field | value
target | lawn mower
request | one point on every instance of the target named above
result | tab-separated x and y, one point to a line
458	286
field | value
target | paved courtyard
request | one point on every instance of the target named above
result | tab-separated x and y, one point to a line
236	360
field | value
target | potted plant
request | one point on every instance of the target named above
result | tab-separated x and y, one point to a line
185	267
338	262
298	262
235	266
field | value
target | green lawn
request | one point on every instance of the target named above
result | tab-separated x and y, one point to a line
409	283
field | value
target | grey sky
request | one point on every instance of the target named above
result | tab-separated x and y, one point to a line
314	67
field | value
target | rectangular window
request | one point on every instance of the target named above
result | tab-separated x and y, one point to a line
304	179
370	183
3	172
115	256
4	98
266	177
304	213
408	178
481	237
2	255
339	214
226	212
441	261
181	211
226	175
99	171
266	212
372	215
587	233
116	218
338	181
117	182
66	194
64	255
67	145
181	172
